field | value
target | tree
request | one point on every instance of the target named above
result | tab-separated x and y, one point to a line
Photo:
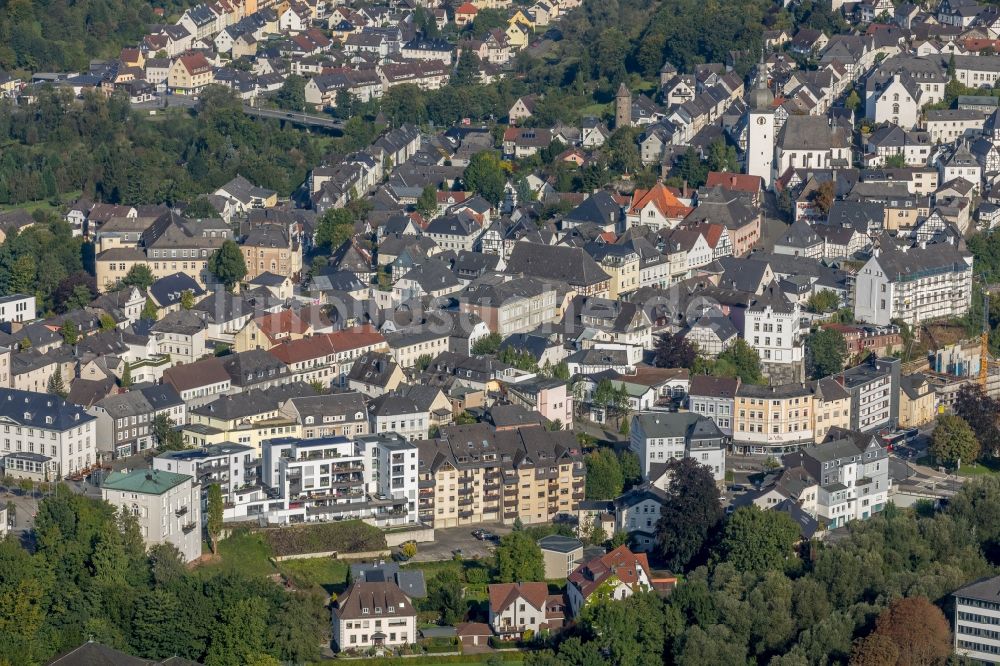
518	558
982	413
755	540
107	322
896	161
56	386
823	196
673	351
167	437
918	629
334	228
200	208
213	519
149	310
604	475
623	151
631	471
722	157
227	264
487	345
953	441
70	332
745	362
613	398
467	69
409	549
139	276
825	301
853	101
826	351
486	176
444	595
689	515
427	201
292	94
874	650
126	380
187	299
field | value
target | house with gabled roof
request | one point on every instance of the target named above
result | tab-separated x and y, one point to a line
656	208
614	576
516	608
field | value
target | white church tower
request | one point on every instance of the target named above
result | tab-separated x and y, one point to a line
760	129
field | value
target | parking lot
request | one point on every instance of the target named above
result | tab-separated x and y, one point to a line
447	541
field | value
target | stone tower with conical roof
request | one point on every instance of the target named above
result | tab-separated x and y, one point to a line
623	107
760	128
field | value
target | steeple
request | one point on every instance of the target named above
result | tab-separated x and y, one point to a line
760	98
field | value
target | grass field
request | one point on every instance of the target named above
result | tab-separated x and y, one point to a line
980	469
248	554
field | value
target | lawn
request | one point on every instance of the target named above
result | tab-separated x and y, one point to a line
464	660
979	469
248	554
44	204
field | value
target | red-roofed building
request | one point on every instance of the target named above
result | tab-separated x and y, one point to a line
615	575
189	74
519	607
267	330
737	182
657	208
328	358
465	14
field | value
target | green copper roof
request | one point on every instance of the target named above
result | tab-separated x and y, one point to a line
145	481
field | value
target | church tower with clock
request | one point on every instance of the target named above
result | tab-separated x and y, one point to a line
760	129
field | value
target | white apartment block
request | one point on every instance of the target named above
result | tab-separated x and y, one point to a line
977	621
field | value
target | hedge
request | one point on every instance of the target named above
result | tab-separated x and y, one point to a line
435	659
349	536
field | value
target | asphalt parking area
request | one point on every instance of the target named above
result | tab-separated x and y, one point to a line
448	540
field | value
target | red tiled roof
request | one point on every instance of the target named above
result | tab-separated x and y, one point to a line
738	182
355	337
503	595
661	197
467	8
621	562
296	351
278	324
195	63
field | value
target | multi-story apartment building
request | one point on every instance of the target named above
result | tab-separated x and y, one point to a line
771	324
659	437
832	407
913	283
715	398
169	245
269	248
166	506
845	478
233	467
63	435
590	322
328	358
551	398
874	390
473	474
773	419
331	415
125	420
977	615
331	478
394	412
515	306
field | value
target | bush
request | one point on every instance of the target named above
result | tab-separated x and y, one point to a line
477	575
409	549
349	536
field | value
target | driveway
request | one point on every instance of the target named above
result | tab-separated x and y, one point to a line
447	541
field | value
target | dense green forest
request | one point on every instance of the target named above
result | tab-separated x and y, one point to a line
61	35
105	150
89	577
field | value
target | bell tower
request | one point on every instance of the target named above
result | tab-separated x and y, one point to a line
760	129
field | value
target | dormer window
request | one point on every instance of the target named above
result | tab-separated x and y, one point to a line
364	611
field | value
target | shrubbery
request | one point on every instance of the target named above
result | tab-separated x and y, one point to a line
349	536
